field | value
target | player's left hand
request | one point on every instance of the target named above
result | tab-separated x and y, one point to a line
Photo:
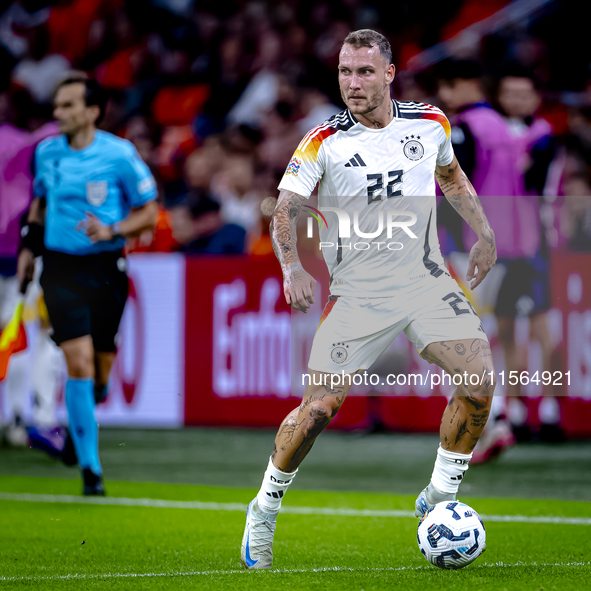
298	287
96	230
483	257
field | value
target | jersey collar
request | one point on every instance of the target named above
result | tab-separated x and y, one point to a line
396	115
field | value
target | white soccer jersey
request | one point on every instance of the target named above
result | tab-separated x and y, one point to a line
377	194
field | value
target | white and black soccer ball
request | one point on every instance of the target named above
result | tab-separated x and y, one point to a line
451	535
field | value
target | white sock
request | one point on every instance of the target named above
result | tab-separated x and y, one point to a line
498	408
549	411
517	412
274	485
449	470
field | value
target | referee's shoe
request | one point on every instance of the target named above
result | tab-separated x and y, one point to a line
93	483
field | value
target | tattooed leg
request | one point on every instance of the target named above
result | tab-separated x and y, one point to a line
286	431
302	425
466	414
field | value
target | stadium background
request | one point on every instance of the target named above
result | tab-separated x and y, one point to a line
216	96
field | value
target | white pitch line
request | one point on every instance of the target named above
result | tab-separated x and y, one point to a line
287	571
203	506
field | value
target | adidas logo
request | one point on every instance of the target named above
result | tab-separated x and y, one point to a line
276	495
355	161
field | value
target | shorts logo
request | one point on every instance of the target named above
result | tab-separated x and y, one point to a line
293	167
413	150
339	354
96	192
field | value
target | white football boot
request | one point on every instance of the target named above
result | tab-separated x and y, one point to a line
257	542
429	497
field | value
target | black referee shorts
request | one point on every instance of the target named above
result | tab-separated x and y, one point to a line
525	290
85	295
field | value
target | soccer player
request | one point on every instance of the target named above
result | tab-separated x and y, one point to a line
376	162
526	287
492	158
91	190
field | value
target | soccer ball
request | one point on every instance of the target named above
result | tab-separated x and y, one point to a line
451	535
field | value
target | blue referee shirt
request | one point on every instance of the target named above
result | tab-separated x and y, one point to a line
106	178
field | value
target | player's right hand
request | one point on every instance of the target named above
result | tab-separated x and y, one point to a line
299	287
25	267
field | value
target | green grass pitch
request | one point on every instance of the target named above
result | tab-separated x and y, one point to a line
60	542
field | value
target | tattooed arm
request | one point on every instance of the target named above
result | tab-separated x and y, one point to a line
461	194
298	285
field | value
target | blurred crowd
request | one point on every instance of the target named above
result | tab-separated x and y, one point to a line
217	95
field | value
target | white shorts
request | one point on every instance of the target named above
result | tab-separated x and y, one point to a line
354	332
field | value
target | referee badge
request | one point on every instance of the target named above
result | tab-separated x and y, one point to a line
96	192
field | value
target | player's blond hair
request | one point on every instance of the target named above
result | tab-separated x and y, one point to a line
370	38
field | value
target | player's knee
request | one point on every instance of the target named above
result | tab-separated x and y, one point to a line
319	417
489	383
80	365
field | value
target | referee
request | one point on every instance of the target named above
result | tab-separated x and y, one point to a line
91	191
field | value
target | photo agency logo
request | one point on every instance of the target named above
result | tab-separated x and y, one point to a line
389	220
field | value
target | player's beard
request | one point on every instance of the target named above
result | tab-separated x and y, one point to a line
373	101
